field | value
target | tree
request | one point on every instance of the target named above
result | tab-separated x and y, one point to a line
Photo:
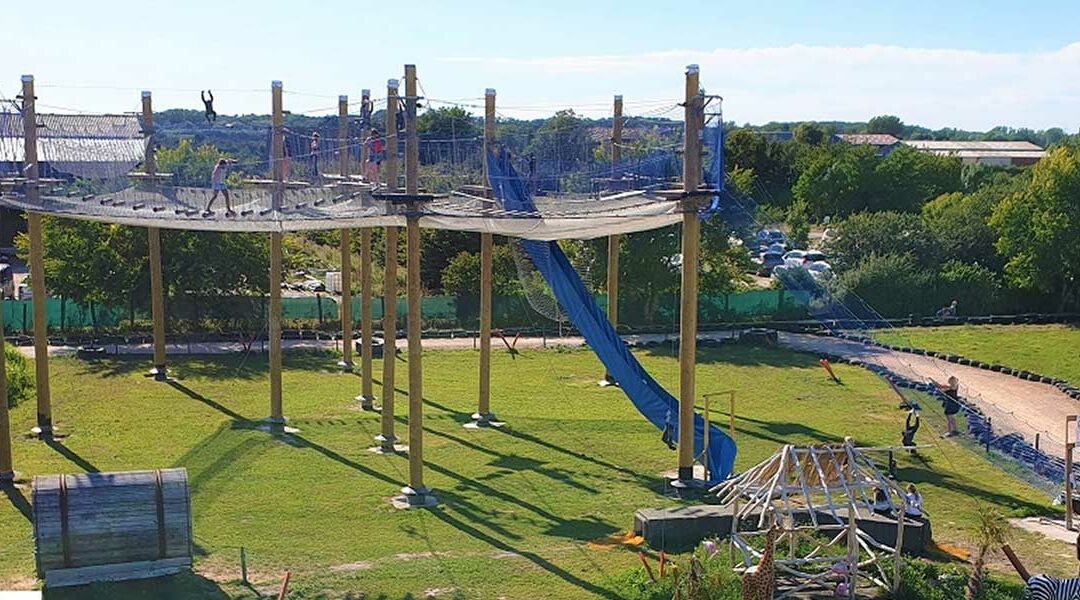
189	165
461	277
1039	225
809	133
883	234
991	531
837	180
960	223
889	124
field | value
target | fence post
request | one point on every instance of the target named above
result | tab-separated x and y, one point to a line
318	302
989	430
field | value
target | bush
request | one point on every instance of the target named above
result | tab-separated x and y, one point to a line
975	287
20	379
895	285
921	580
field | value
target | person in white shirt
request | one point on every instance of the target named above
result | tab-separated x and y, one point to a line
217	183
913	502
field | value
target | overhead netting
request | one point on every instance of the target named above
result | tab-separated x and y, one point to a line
90	164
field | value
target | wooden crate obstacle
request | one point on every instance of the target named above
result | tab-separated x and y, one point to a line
97	527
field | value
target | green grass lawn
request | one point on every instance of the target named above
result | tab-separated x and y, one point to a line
518	504
1052	350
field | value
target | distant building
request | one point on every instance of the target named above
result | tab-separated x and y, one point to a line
99	147
999	154
884	142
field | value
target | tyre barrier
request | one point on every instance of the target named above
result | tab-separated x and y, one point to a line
1011	445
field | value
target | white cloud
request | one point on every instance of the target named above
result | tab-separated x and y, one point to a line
932	87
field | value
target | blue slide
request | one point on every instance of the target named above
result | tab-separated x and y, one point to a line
652	400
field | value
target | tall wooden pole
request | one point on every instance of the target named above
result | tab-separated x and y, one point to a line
346	243
417	493
277	417
37	268
367	395
157	285
365	128
483	416
691	244
387	436
1070	421
613	240
7	464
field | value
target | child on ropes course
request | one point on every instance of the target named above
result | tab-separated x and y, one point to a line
211	116
375	151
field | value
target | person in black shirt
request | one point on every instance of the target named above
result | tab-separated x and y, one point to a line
211	115
952	402
911	425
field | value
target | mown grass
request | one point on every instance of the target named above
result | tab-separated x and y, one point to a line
1052	350
518	504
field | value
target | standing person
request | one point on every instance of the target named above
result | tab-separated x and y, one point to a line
286	157
375	150
211	116
217	183
952	402
315	153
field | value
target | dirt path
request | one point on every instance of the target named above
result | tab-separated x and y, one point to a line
1015	405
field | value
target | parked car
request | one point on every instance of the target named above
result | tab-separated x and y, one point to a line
799	258
314	285
768	261
770	236
820	271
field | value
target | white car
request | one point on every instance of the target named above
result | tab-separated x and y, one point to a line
799	258
820	270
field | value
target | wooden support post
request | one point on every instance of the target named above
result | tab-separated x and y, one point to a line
391	135
7	464
898	552
367	395
1070	422
387	438
852	551
416	493
346	244
731	417
483	416
691	243
613	240
157	286
277	417
37	268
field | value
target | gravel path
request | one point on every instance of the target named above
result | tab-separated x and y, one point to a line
1015	405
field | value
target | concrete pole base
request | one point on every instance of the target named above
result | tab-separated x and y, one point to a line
608	381
414	498
483	421
159	373
367	403
43	432
8	476
388	445
346	366
276	425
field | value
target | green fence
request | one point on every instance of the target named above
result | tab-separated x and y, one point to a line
440	312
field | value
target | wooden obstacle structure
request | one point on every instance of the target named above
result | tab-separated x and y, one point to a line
833	486
111	526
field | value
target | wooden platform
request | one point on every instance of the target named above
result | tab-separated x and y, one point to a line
681	528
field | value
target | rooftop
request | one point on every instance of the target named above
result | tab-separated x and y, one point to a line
868	139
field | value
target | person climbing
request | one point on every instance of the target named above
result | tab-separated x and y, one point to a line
315	154
367	107
911	426
952	402
286	157
217	183
375	149
211	116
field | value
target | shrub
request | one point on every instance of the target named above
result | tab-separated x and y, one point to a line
895	285
20	379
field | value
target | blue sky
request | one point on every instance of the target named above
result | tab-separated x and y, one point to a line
943	63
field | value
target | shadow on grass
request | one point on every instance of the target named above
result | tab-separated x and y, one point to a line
653	483
741	355
783	431
18	500
920	475
537	560
248	366
71	455
183	585
190	393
